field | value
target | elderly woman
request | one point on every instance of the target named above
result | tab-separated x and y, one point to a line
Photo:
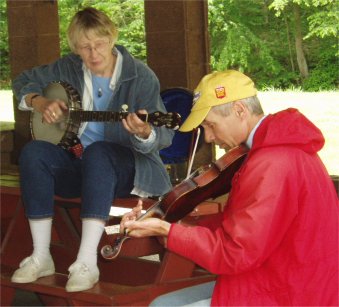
119	159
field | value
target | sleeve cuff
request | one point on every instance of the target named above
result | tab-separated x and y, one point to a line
23	106
150	139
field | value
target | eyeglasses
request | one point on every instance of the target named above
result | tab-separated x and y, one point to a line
99	47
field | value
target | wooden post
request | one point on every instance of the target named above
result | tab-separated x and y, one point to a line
178	48
33	28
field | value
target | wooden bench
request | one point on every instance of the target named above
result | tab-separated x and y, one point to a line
51	291
131	279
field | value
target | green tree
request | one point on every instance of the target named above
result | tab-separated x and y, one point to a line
66	10
276	41
4	52
319	27
255	36
241	37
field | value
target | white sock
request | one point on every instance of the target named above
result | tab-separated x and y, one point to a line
41	234
92	230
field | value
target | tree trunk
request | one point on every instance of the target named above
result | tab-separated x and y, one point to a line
301	59
289	42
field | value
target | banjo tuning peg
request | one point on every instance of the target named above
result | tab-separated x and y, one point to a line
124	108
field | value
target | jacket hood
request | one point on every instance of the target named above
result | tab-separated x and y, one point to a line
289	128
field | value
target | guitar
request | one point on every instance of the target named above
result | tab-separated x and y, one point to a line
65	132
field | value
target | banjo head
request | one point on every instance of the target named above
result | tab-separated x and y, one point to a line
53	133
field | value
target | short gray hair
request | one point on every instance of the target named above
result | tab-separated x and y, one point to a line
252	103
90	19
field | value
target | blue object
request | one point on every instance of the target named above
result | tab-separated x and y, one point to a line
178	100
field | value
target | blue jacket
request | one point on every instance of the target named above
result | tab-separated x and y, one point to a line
138	87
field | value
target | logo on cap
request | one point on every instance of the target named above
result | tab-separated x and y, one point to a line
220	92
196	97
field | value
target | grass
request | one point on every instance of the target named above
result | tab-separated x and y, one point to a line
322	108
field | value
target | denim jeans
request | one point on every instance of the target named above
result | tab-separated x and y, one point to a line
199	295
105	171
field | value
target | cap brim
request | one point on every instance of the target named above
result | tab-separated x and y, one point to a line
194	119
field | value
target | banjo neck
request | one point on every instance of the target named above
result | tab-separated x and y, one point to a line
102	116
170	120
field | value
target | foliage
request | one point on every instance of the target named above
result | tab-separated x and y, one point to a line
324	75
4	53
254	36
66	10
326	22
241	38
322	19
258	37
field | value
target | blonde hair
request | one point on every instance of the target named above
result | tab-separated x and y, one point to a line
87	20
252	103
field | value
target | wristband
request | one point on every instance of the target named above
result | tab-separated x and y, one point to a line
34	96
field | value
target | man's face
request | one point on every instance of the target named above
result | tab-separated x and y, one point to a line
226	131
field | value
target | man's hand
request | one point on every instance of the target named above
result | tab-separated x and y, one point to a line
143	228
148	227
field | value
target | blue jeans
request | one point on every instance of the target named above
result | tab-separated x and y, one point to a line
199	295
104	172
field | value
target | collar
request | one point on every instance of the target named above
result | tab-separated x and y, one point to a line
117	69
249	141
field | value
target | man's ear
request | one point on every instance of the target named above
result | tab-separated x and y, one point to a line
239	108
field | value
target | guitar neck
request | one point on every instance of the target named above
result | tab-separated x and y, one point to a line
101	116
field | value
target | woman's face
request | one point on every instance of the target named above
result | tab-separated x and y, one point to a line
96	53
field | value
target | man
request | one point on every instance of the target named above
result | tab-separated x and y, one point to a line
276	243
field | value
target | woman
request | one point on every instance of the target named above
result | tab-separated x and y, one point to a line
122	157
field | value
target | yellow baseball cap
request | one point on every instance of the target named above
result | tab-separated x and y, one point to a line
215	89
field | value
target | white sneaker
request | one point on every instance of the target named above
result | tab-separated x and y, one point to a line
31	268
81	277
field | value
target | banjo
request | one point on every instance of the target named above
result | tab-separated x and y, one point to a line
65	132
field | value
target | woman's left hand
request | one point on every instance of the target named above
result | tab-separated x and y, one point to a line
134	125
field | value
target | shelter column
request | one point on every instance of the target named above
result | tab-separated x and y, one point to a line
33	31
178	47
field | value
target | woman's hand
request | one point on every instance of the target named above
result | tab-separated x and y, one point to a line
134	125
52	110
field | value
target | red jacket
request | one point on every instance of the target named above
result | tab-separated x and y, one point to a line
276	243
